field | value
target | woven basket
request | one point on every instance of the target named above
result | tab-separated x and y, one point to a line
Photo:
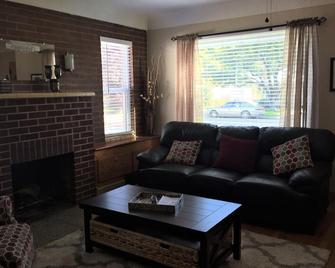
149	247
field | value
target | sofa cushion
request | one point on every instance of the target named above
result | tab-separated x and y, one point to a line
264	163
153	156
167	176
184	152
321	141
237	154
311	180
248	133
291	155
266	190
213	182
186	131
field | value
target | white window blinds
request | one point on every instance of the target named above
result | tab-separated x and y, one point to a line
239	78
116	62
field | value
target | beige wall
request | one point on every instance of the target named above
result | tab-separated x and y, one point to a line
159	41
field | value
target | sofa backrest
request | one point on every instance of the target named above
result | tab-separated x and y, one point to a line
185	131
322	143
249	133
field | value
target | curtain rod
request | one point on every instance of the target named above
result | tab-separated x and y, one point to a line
319	20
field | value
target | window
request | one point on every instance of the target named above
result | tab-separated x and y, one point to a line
116	61
239	79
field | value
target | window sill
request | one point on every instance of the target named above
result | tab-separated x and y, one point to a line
125	136
117	143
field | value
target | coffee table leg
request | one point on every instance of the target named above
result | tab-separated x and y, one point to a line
237	239
204	253
87	218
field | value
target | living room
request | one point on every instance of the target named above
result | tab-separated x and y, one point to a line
101	113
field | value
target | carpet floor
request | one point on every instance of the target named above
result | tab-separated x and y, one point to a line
258	251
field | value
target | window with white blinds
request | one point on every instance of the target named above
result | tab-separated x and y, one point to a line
116	62
239	78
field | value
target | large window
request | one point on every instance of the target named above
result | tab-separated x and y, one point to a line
116	61
239	79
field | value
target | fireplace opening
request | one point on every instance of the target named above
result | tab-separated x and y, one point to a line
42	184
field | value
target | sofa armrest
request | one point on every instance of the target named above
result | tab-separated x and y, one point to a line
6	211
153	156
309	180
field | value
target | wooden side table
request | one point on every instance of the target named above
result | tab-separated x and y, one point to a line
114	160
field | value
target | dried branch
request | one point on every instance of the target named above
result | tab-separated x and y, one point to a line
152	95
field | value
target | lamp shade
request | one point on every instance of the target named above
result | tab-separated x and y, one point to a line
48	57
69	61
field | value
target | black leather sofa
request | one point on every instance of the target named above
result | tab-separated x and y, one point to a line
293	201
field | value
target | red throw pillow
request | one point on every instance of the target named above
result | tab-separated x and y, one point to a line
237	154
184	152
291	155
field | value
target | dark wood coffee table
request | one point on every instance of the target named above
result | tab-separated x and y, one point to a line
200	219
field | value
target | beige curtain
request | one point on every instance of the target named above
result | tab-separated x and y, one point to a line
185	78
300	91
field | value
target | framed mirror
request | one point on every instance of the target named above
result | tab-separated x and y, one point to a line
24	61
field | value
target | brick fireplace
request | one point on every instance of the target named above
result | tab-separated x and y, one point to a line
37	126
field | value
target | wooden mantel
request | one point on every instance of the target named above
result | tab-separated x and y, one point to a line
33	95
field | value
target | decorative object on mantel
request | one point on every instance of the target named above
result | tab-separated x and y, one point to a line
36	77
69	62
332	74
53	73
152	96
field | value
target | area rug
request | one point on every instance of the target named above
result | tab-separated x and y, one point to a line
258	251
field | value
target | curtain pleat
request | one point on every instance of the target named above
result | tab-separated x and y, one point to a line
185	78
300	88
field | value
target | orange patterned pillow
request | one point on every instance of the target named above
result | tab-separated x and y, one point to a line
184	152
291	155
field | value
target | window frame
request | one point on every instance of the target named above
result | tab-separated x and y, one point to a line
128	75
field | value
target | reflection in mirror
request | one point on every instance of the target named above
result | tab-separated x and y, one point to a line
24	61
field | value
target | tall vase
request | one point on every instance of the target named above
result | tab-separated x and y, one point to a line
150	123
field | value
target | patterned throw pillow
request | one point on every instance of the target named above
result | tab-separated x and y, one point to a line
6	211
184	152
291	155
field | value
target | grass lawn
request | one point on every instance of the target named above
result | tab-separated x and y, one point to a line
272	113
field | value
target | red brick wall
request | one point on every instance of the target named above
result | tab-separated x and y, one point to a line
32	129
82	37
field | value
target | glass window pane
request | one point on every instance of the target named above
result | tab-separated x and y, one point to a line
239	79
116	61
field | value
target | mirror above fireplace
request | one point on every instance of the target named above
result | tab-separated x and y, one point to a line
24	61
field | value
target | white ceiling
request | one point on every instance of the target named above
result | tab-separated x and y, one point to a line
155	14
225	10
162	5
